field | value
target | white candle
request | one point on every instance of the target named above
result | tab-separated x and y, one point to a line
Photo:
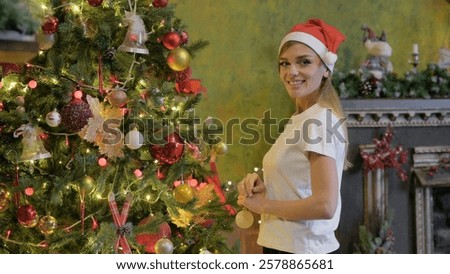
415	49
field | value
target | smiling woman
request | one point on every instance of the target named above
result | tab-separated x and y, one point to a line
299	196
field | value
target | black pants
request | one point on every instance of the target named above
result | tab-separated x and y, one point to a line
267	250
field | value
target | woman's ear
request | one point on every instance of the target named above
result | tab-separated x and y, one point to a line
326	74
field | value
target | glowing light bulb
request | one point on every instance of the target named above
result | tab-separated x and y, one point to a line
76	9
102	162
138	173
32	84
78	94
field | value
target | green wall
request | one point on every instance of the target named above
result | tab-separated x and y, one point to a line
239	67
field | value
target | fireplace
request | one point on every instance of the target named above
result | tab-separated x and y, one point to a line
432	199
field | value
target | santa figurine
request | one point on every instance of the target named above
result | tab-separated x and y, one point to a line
379	51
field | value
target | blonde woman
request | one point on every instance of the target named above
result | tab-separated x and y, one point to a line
299	197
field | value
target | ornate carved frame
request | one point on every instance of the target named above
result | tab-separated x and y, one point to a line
423	158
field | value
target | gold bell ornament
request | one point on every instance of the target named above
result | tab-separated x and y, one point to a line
136	34
32	145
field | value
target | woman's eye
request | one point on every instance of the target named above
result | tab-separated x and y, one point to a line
283	64
304	62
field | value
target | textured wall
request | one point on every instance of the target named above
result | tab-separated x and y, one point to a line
239	67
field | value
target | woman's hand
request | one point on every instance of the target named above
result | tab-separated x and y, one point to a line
254	203
250	185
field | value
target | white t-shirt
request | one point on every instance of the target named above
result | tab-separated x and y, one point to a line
287	177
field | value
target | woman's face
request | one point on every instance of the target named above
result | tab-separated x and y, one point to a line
301	70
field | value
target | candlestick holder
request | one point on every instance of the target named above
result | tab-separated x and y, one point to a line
415	61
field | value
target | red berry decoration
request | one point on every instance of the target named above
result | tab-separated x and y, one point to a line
50	24
27	216
75	115
170	152
171	40
95	3
184	37
160	3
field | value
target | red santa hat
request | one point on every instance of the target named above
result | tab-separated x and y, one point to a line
320	37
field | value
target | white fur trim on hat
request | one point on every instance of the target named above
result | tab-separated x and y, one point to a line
328	57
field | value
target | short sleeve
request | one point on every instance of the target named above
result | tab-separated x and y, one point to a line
319	135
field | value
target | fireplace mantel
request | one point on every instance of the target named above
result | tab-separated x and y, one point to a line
397	112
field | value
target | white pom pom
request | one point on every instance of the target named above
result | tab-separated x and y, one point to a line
330	58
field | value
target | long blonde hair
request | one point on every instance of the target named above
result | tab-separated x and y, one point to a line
329	98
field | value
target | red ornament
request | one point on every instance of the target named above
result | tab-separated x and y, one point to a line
160	3
27	216
171	40
94	224
50	24
95	3
170	152
161	174
148	240
75	115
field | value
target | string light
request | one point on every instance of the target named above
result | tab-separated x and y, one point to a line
78	94
76	9
32	84
102	162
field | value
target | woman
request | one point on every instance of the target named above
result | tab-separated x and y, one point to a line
299	199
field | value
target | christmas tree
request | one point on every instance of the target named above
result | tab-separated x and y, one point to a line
101	148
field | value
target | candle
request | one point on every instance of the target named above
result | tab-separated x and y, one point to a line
415	49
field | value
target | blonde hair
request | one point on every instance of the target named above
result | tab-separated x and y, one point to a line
329	98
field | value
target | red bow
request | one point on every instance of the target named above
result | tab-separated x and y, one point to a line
119	221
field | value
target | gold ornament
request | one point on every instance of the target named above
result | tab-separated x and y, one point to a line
47	225
183	193
5	197
220	148
244	219
179	59
45	41
117	98
164	246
